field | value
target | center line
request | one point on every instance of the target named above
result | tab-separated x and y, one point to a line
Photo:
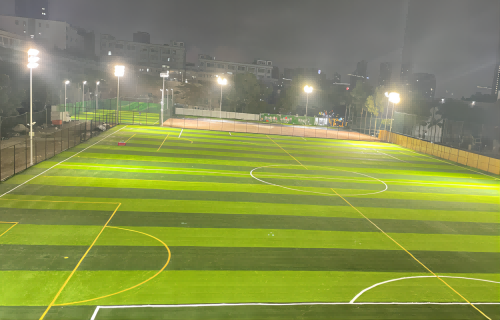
287	153
423	265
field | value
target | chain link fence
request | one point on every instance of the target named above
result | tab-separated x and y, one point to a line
478	138
16	153
245	126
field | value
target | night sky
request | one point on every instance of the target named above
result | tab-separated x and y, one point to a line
457	40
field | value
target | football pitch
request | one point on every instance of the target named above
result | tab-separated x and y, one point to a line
197	224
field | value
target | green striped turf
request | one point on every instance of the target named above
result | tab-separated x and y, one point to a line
234	239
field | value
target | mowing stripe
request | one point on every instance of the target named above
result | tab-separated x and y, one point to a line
22	184
163	142
79	262
412	255
484	174
287	152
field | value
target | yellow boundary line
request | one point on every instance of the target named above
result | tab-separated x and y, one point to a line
287	152
411	255
133	287
130	137
163	142
79	263
13	225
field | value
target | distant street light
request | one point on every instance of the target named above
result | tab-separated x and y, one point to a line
308	90
119	72
65	99
222	82
32	63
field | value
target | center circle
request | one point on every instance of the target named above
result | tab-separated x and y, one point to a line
316	180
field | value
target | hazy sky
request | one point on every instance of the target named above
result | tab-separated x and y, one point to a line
457	40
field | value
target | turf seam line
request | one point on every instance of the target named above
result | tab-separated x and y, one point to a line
376	226
287	152
22	184
76	267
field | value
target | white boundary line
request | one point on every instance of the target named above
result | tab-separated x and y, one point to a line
391	156
415	277
96	311
22	184
180	133
329	194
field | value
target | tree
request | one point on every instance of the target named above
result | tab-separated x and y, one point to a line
359	95
9	100
245	93
194	93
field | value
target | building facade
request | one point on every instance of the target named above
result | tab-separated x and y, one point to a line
384	77
147	58
34	9
262	69
142	37
337	78
49	33
423	85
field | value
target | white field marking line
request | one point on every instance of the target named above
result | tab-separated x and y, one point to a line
303	138
156	122
350	195
405	278
180	133
94	315
391	156
22	184
230	133
279	176
484	174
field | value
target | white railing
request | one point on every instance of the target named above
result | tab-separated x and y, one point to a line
217	114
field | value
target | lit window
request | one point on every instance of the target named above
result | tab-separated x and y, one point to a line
32	36
109	53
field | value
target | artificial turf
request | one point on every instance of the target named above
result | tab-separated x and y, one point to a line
282	236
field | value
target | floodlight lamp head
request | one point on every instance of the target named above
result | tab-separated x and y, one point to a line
394	97
33	52
119	71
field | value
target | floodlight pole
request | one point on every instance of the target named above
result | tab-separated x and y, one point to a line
386	114
162	102
97	96
31	116
65	85
117	99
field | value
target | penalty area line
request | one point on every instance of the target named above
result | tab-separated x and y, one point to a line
96	311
